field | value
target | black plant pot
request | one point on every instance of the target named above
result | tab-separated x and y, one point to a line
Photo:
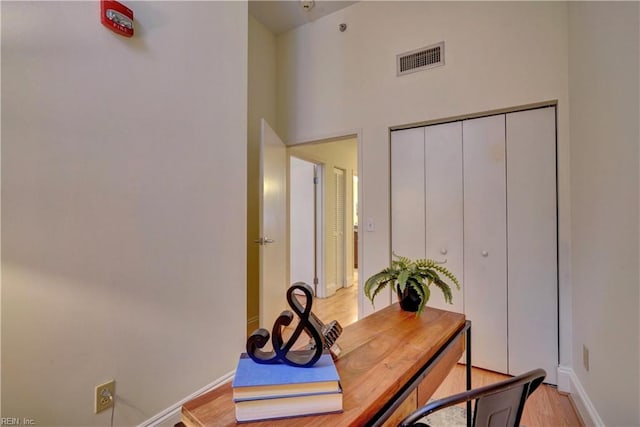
409	299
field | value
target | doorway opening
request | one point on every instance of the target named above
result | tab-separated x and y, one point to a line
323	248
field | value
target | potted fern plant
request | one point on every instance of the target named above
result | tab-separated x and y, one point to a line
412	280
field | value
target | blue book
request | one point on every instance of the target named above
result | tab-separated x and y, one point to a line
256	381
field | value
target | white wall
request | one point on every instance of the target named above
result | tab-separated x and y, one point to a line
497	55
261	104
603	75
123	196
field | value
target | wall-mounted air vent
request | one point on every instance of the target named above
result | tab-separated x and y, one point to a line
420	59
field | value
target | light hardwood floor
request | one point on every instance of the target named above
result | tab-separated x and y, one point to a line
341	306
545	408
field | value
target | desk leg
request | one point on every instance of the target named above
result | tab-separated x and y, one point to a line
469	373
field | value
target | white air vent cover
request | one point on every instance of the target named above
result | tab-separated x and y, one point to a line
420	59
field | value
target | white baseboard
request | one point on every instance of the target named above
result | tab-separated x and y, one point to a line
564	379
568	382
172	414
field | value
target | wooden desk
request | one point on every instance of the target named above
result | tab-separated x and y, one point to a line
391	363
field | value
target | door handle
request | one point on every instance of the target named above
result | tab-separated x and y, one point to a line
263	241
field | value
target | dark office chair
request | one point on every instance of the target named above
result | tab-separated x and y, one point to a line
496	405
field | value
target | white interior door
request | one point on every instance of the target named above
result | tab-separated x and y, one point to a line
273	225
443	184
302	221
485	240
338	231
408	193
532	241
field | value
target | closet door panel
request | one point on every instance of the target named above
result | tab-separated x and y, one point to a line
532	241
485	257
443	184
408	193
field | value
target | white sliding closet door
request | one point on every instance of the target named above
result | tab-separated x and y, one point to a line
408	193
532	241
481	194
443	184
485	240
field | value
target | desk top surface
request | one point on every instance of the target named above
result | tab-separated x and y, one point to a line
380	353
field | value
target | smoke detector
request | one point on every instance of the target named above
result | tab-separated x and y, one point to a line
307	4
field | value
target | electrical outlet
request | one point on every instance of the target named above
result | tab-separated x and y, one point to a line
585	357
105	393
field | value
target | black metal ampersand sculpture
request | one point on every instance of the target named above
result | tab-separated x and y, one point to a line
282	352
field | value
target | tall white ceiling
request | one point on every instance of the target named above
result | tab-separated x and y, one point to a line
284	15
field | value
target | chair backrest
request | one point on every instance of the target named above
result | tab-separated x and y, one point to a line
496	405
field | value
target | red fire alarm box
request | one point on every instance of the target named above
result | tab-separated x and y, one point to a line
117	17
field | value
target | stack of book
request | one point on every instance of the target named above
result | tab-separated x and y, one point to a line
263	392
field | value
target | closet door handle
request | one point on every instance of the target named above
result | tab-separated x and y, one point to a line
443	251
484	254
